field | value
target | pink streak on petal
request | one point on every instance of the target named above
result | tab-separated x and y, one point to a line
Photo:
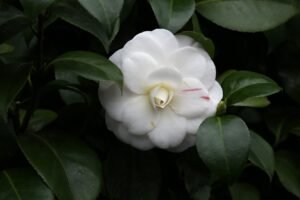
205	97
192	90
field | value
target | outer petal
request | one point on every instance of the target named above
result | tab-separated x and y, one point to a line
184	41
167	75
216	93
192	100
192	125
166	39
113	100
194	62
188	141
170	130
140	142
136	67
116	58
145	42
139	116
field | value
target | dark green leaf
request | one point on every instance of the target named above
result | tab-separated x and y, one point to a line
107	12
172	14
68	166
8	144
132	174
248	15
261	154
244	191
23	184
88	65
12	21
223	144
288	171
195	174
205	42
241	87
33	8
72	12
127	7
40	119
256	102
12	80
6	48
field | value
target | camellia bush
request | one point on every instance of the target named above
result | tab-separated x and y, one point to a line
149	99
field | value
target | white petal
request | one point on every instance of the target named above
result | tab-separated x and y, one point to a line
184	41
192	125
145	42
167	76
188	142
139	116
170	130
216	92
192	100
194	62
136	67
166	39
116	58
114	100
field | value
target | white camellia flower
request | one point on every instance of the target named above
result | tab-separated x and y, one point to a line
169	90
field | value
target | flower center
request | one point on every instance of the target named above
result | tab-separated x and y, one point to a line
160	96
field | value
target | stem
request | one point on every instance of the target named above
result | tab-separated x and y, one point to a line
40	68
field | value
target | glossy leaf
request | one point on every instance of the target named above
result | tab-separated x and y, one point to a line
12	21
205	42
288	171
131	174
23	184
72	12
223	143
241	87
244	191
261	154
195	175
33	8
12	80
107	12
248	15
172	14
5	48
68	166
88	65
39	119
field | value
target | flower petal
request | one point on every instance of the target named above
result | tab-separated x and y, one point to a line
185	41
139	116
170	130
145	42
195	63
216	93
188	142
116	58
114	100
140	142
192	125
192	100
167	76
136	67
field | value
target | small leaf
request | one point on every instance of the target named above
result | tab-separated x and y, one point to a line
88	65
288	171
195	175
12	80
172	14
107	12
244	191
256	102
132	174
248	15
223	144
22	183
6	48
68	166
72	12
205	42
261	154
12	21
241	87
33	8
40	119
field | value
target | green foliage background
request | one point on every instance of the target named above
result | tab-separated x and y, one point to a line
53	140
